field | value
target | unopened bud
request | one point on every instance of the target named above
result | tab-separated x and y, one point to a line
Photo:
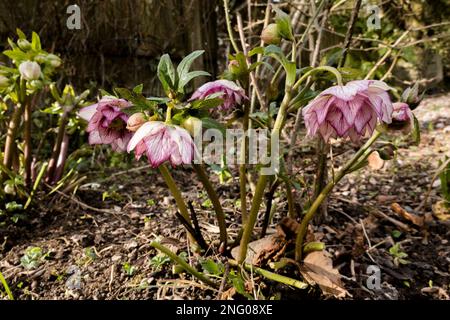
24	44
192	125
411	96
271	34
30	70
54	60
135	121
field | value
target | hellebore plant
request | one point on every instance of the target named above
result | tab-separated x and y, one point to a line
163	128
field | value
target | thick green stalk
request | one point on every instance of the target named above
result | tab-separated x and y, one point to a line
202	175
5	285
334	71
243	166
322	196
186	266
175	192
272	276
262	182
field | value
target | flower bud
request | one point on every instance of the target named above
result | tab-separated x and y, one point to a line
192	124
36	84
402	116
9	189
24	44
233	66
135	121
4	82
411	96
271	35
30	70
53	60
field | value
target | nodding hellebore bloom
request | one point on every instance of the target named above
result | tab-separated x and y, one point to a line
107	123
162	142
402	116
232	94
349	111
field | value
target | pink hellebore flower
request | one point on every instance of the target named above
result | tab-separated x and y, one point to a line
162	142
232	94
402	112
107	123
349	111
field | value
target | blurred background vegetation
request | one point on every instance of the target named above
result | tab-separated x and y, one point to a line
120	41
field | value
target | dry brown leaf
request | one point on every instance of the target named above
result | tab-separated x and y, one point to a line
441	211
418	221
261	250
375	161
318	269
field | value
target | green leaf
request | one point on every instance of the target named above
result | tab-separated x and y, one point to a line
35	41
186	77
186	63
209	102
140	103
138	88
284	24
16	55
290	67
167	74
209	123
212	267
21	34
256	50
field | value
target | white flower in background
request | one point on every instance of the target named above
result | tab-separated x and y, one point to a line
30	70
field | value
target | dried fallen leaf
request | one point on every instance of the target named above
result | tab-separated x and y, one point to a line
441	211
261	250
375	161
318	269
418	221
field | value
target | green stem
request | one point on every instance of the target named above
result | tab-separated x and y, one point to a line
262	182
186	266
36	184
334	71
243	166
202	175
229	29
175	192
5	285
321	197
272	276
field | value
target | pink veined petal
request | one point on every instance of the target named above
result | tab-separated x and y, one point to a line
145	130
320	107
110	113
337	120
327	131
94	138
362	118
86	113
159	147
353	135
140	149
121	143
186	145
108	135
94	123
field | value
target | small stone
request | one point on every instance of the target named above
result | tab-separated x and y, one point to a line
116	258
